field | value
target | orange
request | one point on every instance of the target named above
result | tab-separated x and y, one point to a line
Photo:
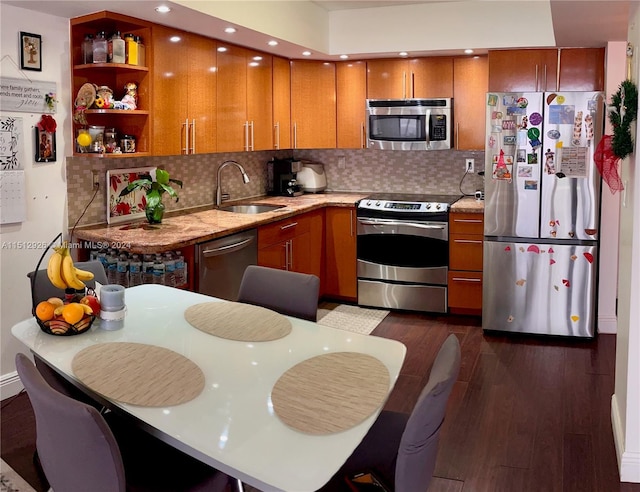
73	312
44	310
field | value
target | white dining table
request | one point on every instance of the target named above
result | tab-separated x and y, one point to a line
231	425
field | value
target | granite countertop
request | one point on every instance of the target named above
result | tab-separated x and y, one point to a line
188	227
468	205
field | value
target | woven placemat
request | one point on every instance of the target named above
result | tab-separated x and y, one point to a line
138	374
331	392
238	321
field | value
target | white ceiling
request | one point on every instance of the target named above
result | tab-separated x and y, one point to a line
576	23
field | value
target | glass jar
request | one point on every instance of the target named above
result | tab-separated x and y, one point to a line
87	49
128	144
131	50
110	140
116	48
141	52
100	48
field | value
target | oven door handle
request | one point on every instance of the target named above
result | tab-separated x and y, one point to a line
388	222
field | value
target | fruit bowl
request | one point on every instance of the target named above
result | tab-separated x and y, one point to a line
60	327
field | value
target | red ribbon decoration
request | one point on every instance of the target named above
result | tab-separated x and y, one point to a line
607	164
47	124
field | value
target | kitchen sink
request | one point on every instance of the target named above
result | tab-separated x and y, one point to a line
250	208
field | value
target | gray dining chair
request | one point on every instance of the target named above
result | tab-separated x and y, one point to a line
290	293
43	289
401	449
78	451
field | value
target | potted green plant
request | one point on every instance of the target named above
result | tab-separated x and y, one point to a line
155	184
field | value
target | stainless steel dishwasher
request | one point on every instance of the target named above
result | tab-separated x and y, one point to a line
221	263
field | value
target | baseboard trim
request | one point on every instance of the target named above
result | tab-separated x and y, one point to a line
10	385
608	324
628	462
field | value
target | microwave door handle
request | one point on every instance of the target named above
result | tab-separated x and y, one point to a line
427	126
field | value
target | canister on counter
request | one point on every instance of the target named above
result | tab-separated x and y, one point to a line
128	144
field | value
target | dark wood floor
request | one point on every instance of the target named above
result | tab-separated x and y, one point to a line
526	414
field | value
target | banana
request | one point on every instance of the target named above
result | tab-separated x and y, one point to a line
87	309
69	273
83	275
54	270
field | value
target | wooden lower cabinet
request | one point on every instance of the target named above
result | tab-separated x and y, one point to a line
465	263
340	249
294	244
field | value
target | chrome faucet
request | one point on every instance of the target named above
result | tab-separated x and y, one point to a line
245	179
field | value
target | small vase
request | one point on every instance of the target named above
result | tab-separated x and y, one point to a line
154	214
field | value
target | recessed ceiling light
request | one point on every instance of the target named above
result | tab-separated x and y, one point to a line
306	53
257	58
344	57
273	42
174	39
163	9
468	52
230	30
254	64
222	49
403	53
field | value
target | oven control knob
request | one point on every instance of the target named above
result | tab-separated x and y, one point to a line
377	204
368	204
438	206
428	206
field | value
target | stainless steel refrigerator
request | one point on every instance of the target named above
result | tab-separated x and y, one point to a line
542	212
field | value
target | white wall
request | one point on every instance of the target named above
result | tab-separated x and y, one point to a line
45	183
625	405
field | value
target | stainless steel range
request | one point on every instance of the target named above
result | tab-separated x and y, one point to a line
403	251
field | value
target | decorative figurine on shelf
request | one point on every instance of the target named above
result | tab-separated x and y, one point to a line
84	100
104	97
130	99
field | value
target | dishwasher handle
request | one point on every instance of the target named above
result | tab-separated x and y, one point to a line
229	248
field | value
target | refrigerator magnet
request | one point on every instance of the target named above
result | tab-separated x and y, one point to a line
530	184
524	121
549	165
492	100
525	171
532	158
509	140
535	118
521	156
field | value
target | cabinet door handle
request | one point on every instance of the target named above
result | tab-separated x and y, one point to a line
288	226
245	125
362	135
276	128
295	135
185	125
412	87
193	136
469	241
404	85
536	77
351	223
458	136
290	265
252	141
464	279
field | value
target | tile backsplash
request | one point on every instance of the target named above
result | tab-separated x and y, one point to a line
363	170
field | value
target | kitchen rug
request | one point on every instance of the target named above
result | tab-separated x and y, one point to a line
350	318
10	481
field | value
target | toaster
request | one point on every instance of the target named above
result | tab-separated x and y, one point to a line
311	177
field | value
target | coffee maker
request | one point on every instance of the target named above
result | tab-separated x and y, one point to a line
281	177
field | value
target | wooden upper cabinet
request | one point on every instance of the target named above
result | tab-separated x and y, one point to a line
260	100
581	69
418	77
183	71
471	78
523	70
431	77
387	79
313	104
244	99
281	103
351	93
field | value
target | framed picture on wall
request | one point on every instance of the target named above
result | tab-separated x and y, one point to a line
30	51
45	146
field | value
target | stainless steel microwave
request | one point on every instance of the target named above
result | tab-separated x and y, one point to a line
409	124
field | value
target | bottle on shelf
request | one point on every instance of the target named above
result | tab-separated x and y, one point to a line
112	266
135	271
100	48
122	275
147	269
116	48
181	277
87	49
131	51
141	52
169	269
158	270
